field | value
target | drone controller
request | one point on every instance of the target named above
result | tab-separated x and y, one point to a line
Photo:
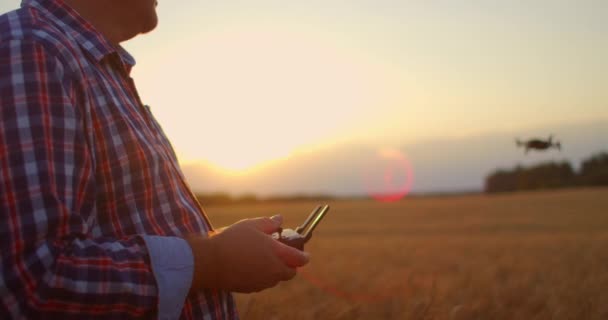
298	237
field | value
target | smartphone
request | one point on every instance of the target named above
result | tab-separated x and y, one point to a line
298	237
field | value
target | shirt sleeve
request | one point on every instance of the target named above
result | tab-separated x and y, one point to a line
51	266
173	266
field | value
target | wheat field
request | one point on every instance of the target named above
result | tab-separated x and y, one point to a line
536	255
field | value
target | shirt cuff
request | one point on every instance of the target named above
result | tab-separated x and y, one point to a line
173	267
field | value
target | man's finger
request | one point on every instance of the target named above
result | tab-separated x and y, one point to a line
278	219
267	225
288	273
292	257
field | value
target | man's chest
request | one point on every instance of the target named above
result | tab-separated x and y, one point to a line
122	127
140	188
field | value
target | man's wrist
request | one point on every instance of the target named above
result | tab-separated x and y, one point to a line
205	266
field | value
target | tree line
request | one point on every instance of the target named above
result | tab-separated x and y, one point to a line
550	175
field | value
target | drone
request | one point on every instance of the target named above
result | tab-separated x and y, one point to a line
538	144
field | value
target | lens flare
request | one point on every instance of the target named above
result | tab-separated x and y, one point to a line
389	177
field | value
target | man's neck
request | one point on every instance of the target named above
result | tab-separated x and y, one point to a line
102	19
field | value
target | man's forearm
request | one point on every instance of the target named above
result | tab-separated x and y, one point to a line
205	263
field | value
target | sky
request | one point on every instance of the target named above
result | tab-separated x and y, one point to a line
242	86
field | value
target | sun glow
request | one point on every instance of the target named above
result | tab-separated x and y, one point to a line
243	97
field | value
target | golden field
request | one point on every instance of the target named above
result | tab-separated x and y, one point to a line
537	255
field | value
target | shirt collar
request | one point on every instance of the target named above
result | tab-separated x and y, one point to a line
89	39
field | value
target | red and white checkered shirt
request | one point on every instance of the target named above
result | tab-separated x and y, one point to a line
85	171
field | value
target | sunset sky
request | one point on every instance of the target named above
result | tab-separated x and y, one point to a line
240	85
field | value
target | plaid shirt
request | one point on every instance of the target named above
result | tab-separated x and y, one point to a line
85	171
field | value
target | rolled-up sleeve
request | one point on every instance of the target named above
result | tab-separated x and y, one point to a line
51	266
173	266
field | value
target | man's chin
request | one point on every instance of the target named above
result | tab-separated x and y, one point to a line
151	25
143	29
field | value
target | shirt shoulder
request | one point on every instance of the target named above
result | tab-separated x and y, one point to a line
26	25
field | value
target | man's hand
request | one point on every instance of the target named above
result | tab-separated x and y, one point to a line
243	257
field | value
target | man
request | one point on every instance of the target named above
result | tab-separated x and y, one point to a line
96	218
